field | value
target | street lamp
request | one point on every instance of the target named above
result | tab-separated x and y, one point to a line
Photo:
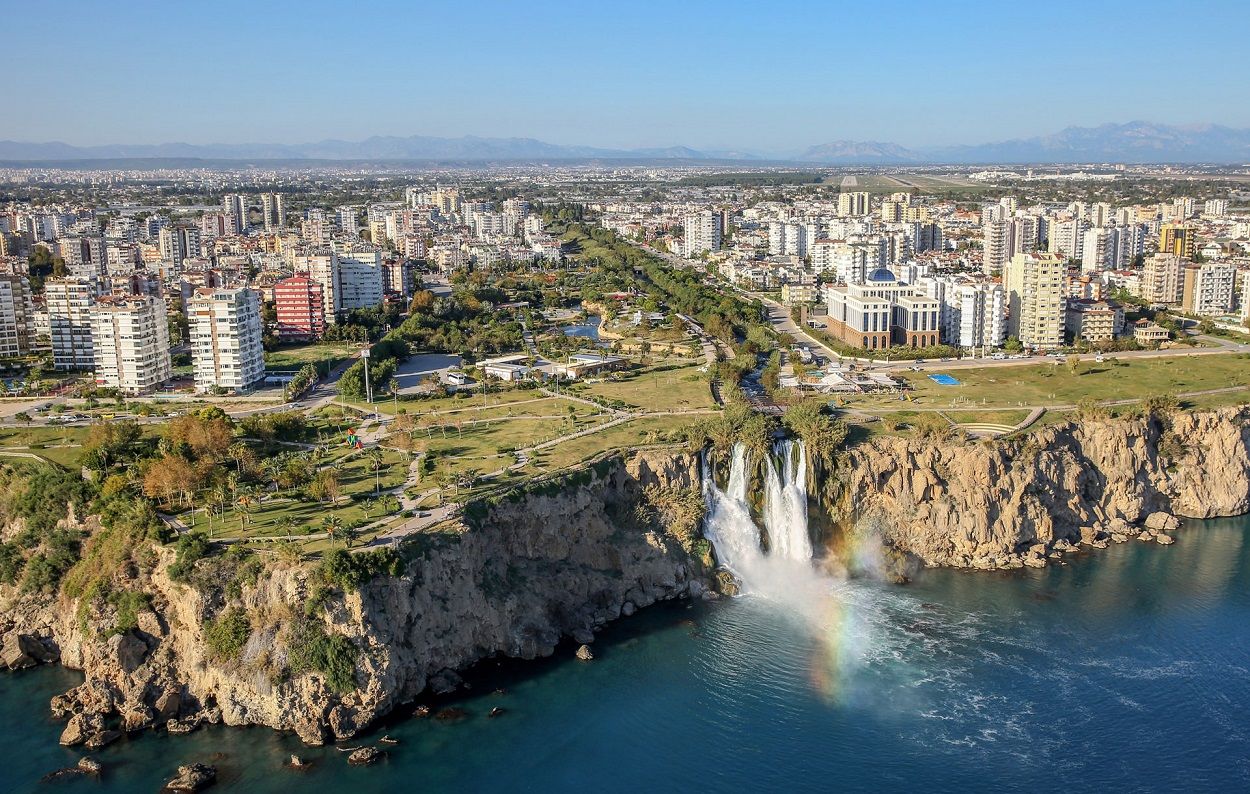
364	354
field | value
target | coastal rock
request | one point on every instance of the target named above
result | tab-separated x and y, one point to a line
584	653
90	766
193	777
296	762
1166	540
19	651
363	756
80	728
101	739
1163	522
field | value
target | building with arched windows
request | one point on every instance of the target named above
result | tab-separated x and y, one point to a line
883	312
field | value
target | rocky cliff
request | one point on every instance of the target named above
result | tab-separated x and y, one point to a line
282	645
557	560
996	504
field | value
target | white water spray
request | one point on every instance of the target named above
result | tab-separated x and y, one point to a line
785	503
728	523
737	538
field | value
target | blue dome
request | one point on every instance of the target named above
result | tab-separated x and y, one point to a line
882	274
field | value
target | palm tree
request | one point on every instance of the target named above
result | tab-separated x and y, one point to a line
333	526
377	460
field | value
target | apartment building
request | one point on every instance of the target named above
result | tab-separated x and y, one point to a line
1162	279
1209	289
852	204
1036	286
130	339
225	335
300	306
1178	239
17	331
86	256
273	210
178	243
69	322
973	314
235	206
1093	320
1004	238
702	232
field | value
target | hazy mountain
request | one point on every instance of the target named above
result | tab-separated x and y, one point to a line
416	147
857	152
1134	142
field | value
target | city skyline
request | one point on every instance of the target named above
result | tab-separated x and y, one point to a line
708	77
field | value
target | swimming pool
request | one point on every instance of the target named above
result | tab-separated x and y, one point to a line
944	380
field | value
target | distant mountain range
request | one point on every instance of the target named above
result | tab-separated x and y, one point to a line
1134	142
417	147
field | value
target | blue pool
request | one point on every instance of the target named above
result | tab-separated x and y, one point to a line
944	380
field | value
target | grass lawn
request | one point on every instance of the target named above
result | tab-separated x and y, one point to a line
320	353
356	478
634	433
1050	384
649	390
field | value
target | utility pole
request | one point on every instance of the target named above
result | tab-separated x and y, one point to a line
364	354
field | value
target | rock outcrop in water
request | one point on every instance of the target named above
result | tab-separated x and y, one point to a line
557	560
997	504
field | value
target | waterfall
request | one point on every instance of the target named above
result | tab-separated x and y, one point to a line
728	523
735	535
785	503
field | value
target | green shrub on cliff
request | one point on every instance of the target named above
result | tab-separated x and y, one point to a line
226	634
310	649
348	571
191	548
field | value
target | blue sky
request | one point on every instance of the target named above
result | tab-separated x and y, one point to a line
763	76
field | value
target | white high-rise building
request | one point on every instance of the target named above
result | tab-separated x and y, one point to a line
346	217
976	315
349	280
1210	288
1036	286
225	334
17	321
1243	299
1215	208
178	243
1004	238
1096	249
1066	237
130	337
702	232
235	206
69	322
273	207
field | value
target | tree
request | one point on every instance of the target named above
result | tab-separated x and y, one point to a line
1074	364
333	526
377	461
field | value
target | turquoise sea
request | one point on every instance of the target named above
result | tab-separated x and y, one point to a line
1125	670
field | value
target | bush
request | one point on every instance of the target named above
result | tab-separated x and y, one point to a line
225	635
310	649
349	571
191	548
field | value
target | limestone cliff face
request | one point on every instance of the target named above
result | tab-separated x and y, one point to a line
544	565
992	504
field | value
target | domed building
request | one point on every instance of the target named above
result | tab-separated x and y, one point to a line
883	312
